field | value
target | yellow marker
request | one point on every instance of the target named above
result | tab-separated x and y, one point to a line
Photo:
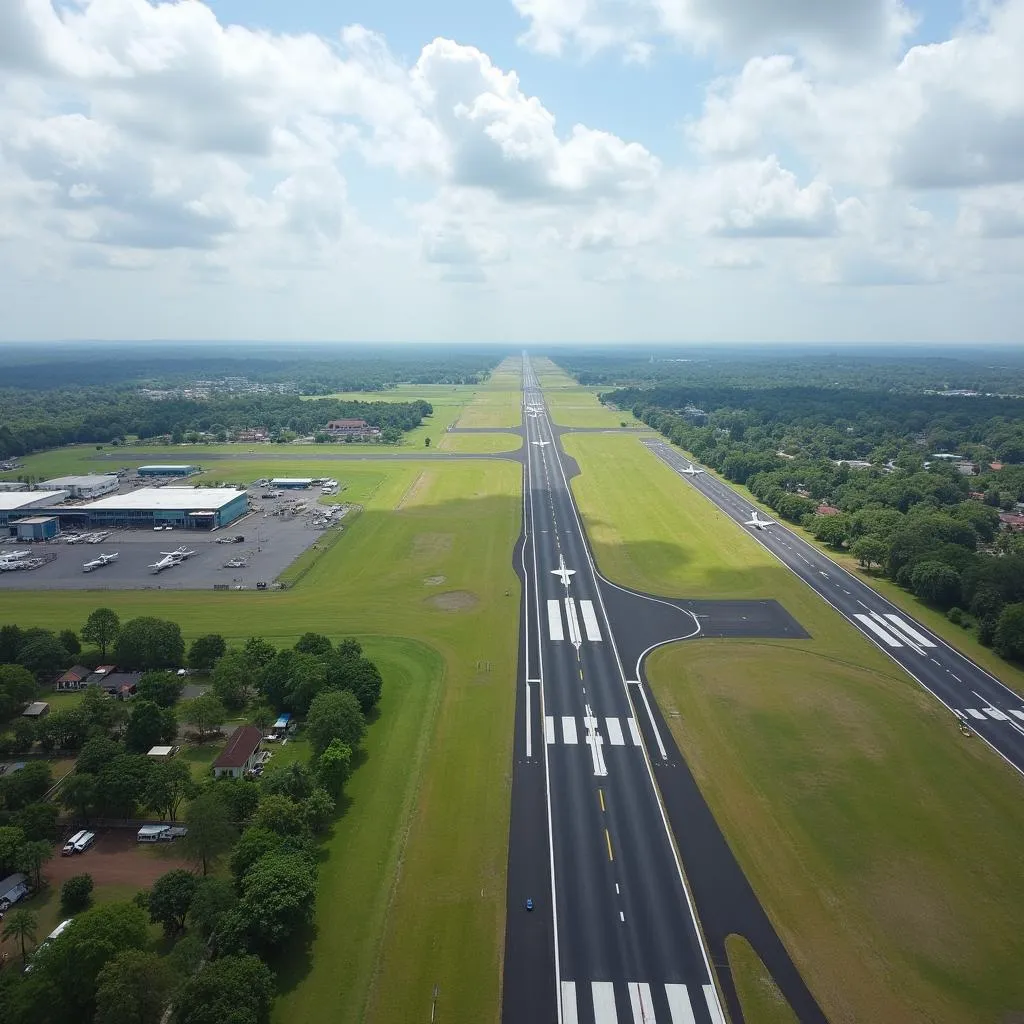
608	840
581	673
600	794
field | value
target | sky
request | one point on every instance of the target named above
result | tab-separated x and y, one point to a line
541	171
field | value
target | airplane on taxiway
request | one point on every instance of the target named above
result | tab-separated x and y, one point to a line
757	522
691	470
97	563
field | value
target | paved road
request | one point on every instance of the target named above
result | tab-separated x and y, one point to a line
613	912
977	699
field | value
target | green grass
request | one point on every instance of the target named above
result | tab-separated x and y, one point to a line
760	998
500	402
429	561
487	444
572	405
847	794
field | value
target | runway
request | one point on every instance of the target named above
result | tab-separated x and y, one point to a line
974	696
614	934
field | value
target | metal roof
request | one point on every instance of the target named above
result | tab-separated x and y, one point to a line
177	498
10	501
90	480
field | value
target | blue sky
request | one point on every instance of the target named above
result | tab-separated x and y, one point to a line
704	170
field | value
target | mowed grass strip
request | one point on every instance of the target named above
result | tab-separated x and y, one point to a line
485	444
438	571
499	403
760	998
572	405
883	844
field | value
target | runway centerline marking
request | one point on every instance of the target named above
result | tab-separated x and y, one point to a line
608	841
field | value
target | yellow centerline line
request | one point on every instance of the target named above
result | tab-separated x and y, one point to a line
608	840
600	795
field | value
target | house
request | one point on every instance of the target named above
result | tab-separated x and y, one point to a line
13	888
828	510
1013	521
252	435
160	753
36	710
352	430
854	463
117	684
74	679
995	466
967	468
240	754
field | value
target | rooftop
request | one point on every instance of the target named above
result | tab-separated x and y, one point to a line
90	480
177	498
241	745
10	501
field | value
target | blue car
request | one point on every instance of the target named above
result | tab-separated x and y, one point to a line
529	904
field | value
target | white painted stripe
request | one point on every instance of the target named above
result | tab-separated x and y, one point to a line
711	998
679	1005
604	1002
570	1014
875	628
634	731
640	1003
572	621
1017	714
974	714
996	714
590	620
529	725
555	620
909	630
615	737
549	728
568	729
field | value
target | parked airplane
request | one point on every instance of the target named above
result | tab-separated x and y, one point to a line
182	553
758	523
13	556
691	470
167	562
98	563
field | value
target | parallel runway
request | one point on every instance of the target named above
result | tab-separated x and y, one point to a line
977	699
613	917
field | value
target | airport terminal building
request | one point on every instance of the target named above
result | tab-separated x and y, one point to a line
190	508
19	504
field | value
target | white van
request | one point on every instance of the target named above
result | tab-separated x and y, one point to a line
69	846
83	844
151	833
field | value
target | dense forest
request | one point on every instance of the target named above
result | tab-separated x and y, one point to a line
940	527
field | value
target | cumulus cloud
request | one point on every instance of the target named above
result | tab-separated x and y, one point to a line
993	213
816	27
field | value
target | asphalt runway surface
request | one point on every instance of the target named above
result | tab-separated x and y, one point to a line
602	798
976	698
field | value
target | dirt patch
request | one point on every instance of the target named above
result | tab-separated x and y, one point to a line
434	581
454	601
116	858
432	545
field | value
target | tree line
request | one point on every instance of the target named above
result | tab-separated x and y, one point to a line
235	925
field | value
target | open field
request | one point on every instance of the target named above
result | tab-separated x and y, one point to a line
574	406
759	996
846	793
429	561
487	444
499	403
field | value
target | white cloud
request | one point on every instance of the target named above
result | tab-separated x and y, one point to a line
733	259
993	213
816	26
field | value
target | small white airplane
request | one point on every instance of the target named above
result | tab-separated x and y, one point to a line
167	562
13	556
757	522
98	563
540	444
562	573
691	470
180	553
74	538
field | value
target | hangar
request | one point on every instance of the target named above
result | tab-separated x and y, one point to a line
90	486
195	508
17	504
167	470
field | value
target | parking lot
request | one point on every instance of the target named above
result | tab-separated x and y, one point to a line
271	543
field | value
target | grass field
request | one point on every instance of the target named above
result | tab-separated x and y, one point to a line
428	561
845	791
488	444
760	998
499	403
574	406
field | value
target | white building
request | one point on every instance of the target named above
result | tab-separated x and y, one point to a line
91	486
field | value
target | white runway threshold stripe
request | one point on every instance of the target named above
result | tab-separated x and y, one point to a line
549	729
885	636
590	625
615	737
604	1002
569	729
641	997
570	1015
975	713
711	998
555	620
908	630
679	1005
572	621
640	1002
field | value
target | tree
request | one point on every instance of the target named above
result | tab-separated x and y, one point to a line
205	713
277	899
170	898
426	442
162	688
148	726
96	752
69	640
334	766
170	783
10	641
133	987
318	810
38	821
31	858
17	683
62	730
292	780
43	655
213	898
263	717
11	841
240	795
210	831
1009	635
27	786
259	652
314	643
122	784
936	583
230	680
24	734
279	814
76	894
98	711
364	680
206	651
78	795
335	715
148	643
20	925
234	989
101	629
